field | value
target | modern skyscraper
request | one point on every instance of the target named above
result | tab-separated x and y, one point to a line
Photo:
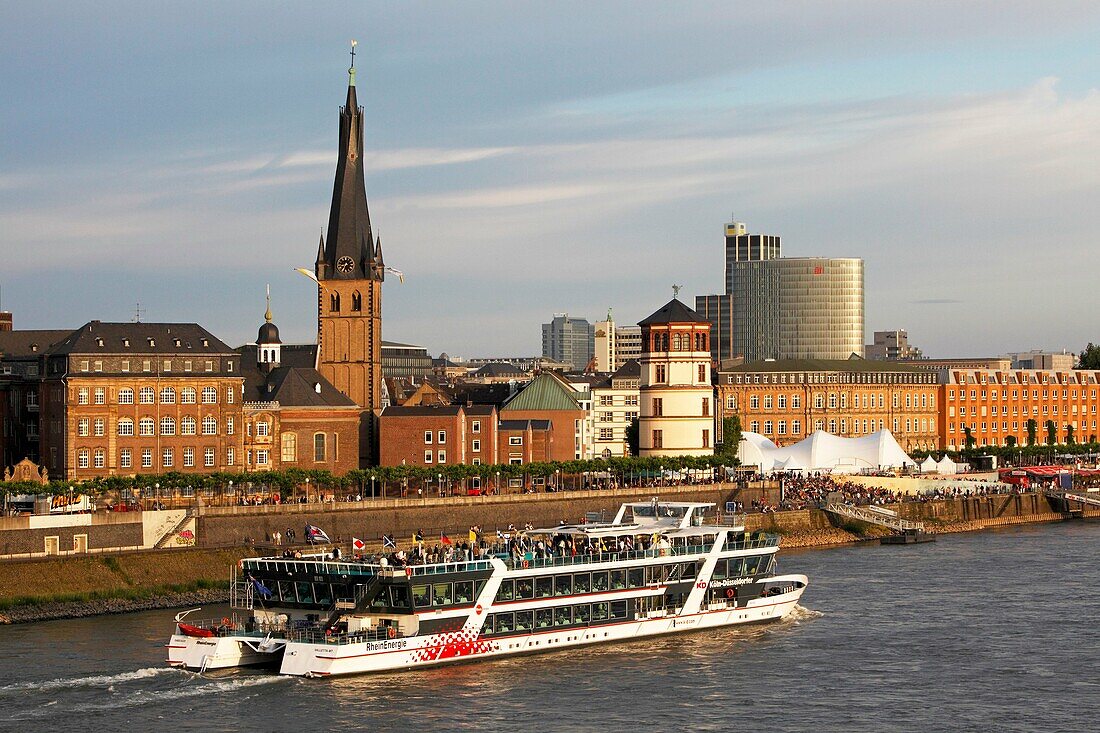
718	309
569	340
790	307
892	346
350	272
604	344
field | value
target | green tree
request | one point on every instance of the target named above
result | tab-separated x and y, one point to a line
1052	432
731	437
1010	441
634	437
1090	357
1069	435
1032	432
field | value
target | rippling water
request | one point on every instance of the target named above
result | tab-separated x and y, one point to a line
983	632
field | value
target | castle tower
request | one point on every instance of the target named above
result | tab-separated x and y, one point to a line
268	344
676	416
350	272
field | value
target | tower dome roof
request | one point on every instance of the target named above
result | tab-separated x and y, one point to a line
268	334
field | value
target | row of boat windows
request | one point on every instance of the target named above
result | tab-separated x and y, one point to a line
545	618
575	583
736	567
444	594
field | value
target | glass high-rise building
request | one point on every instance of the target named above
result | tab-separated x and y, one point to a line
791	307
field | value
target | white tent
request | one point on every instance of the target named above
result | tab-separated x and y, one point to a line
947	466
929	465
823	452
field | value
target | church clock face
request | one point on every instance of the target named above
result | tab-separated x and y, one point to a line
345	264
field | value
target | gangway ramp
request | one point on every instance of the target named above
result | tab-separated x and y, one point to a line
873	515
1077	496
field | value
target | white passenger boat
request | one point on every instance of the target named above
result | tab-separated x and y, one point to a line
658	568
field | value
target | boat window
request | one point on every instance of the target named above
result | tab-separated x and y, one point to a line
525	588
563	585
581	614
736	567
523	620
399	596
323	593
618	579
544	587
599	581
719	571
342	591
507	590
422	596
637	577
543	618
752	565
618	609
505	622
479	585
688	570
441	594
286	591
563	616
464	591
305	591
582	583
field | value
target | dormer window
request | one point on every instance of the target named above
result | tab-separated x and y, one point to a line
99	342
317	387
178	343
125	342
206	342
152	343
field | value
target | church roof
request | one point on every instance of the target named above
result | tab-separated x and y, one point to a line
673	312
141	338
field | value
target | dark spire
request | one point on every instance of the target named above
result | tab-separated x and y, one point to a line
348	250
379	263
320	264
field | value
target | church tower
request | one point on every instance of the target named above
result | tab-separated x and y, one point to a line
350	272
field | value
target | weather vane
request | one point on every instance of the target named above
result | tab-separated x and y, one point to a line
354	43
676	291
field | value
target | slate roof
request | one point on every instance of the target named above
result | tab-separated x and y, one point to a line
673	312
144	338
523	424
293	383
499	369
482	394
421	410
631	369
824	365
19	344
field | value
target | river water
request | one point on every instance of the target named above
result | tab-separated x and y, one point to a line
993	631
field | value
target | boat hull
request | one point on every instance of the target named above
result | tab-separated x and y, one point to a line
220	652
321	660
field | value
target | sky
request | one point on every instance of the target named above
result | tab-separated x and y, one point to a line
531	158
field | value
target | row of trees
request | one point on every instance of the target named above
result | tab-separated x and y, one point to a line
379	480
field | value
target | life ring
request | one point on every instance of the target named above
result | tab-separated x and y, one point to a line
730	592
391	632
525	564
408	572
227	623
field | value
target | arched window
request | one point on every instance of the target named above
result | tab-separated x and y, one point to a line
676	343
356	301
319	447
147	426
125	426
187	425
209	425
187	396
168	425
168	396
146	395
334	303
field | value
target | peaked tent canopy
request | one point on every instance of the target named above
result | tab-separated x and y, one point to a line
929	465
826	453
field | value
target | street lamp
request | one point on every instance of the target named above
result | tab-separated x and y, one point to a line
230	486
307	489
439	483
557	479
70	507
372	486
498	483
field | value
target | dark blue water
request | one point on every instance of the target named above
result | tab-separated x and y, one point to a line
998	631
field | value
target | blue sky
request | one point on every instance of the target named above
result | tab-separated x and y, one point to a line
532	158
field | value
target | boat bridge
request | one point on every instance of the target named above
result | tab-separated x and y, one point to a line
1075	496
873	515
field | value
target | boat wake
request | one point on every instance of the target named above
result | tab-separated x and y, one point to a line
187	687
104	680
800	613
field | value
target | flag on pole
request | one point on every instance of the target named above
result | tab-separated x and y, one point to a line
262	589
388	543
316	534
358	544
444	539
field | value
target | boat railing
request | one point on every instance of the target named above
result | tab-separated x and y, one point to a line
316	567
236	627
533	560
316	635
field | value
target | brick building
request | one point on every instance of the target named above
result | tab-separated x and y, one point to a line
294	418
129	398
996	404
552	399
786	400
433	435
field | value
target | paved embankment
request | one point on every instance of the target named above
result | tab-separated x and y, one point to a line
47	588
